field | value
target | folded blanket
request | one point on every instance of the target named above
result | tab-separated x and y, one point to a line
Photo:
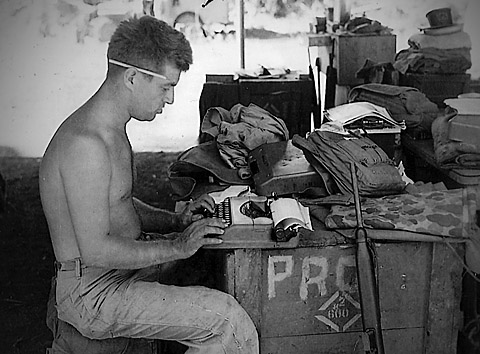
435	213
449	153
469	160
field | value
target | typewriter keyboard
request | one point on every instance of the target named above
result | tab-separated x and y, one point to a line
222	211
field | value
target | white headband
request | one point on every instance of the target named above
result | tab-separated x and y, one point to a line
145	71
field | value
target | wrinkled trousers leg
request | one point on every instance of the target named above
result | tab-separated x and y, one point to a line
108	304
67	339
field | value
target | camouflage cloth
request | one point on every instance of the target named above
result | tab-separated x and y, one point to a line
435	213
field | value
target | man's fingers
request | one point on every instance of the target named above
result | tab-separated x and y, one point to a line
214	222
207	226
205	202
212	241
208	205
212	231
206	231
197	217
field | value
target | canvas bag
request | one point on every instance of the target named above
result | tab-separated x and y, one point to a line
402	102
376	172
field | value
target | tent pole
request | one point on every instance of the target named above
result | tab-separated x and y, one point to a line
241	31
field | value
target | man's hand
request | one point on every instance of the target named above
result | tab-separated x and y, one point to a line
201	232
195	209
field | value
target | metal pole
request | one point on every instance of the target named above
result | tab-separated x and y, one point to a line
241	31
367	281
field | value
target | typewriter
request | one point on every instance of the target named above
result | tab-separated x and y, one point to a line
250	224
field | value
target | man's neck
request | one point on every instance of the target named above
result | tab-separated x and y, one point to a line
110	101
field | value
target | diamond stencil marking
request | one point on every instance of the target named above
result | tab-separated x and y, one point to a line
341	311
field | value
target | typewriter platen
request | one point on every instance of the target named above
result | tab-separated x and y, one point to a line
251	224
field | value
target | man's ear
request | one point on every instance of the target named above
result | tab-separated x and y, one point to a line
130	76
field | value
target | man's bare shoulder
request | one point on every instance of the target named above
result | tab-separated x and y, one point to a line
77	143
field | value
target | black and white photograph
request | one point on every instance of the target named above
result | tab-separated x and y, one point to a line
239	177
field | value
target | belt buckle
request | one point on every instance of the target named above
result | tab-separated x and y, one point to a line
78	267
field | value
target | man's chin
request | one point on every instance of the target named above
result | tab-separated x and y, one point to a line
154	116
144	119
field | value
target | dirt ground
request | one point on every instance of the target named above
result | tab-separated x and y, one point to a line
26	256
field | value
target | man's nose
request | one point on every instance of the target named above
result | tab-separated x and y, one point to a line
170	96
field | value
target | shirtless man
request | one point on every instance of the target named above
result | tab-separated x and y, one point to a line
97	227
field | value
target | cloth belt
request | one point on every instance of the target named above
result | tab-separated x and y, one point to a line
71	265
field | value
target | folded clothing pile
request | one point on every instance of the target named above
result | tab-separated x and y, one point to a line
240	130
443	48
456	134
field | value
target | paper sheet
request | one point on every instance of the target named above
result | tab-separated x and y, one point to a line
232	191
288	212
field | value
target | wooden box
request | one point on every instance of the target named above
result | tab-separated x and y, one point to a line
306	300
351	51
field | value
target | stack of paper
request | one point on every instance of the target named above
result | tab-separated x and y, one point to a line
363	115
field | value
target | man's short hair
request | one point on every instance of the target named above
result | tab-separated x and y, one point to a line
149	43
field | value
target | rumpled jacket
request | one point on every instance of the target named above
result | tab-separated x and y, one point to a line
241	130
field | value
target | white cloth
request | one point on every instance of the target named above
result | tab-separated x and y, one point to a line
448	41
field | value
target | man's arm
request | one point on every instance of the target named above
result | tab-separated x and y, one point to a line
164	221
86	175
156	219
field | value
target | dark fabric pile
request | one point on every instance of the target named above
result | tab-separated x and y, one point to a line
365	25
435	54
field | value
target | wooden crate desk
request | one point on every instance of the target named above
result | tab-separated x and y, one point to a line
306	300
347	54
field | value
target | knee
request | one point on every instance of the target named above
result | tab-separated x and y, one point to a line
241	328
237	315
